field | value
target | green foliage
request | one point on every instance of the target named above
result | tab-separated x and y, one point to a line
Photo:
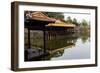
75	22
72	21
84	23
69	20
56	15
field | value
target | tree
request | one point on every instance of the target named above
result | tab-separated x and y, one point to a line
56	15
69	20
75	22
84	23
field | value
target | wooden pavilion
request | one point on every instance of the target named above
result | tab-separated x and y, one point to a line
39	21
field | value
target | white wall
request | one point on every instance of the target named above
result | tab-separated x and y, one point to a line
5	26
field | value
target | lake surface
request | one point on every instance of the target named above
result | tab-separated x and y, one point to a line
79	51
57	46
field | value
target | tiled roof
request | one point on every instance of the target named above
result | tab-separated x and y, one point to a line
61	25
42	17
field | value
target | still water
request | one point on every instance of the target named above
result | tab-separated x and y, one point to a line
79	51
57	46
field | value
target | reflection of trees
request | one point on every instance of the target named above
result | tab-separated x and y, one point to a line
52	55
84	37
58	43
85	34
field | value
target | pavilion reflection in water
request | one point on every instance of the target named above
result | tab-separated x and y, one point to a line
44	38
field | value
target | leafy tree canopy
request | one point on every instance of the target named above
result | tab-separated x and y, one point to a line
56	15
84	23
69	20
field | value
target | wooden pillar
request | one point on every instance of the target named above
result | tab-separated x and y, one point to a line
44	40
29	43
